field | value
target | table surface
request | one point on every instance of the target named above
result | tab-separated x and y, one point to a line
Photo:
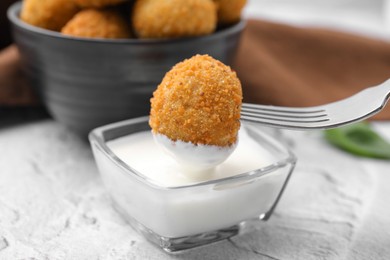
53	204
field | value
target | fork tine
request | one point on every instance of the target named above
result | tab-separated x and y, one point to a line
259	118
275	112
299	110
283	116
289	124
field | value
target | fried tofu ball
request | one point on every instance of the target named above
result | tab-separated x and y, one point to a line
229	11
96	23
97	3
48	14
174	18
198	101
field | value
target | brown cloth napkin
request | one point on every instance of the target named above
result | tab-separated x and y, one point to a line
277	64
14	88
289	66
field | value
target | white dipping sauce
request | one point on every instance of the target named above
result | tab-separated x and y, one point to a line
189	210
194	158
140	152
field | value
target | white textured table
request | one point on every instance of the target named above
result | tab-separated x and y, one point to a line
54	206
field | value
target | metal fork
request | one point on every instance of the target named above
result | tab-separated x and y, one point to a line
360	106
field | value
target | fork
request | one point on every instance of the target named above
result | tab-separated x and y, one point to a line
360	106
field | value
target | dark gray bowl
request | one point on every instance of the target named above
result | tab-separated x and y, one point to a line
86	83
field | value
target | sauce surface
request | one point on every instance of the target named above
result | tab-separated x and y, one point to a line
140	152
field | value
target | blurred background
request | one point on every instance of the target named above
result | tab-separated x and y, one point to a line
5	37
366	17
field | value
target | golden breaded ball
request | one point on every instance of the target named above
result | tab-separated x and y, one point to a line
48	14
97	3
174	18
198	101
97	23
229	11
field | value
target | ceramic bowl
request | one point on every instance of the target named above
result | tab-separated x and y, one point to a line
85	83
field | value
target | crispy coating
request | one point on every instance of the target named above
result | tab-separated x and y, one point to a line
229	11
174	18
96	23
48	14
97	3
198	101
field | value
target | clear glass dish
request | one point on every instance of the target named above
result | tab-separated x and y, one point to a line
183	217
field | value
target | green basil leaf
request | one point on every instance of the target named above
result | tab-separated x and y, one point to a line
359	139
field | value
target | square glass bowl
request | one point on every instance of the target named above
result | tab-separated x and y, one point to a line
183	217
